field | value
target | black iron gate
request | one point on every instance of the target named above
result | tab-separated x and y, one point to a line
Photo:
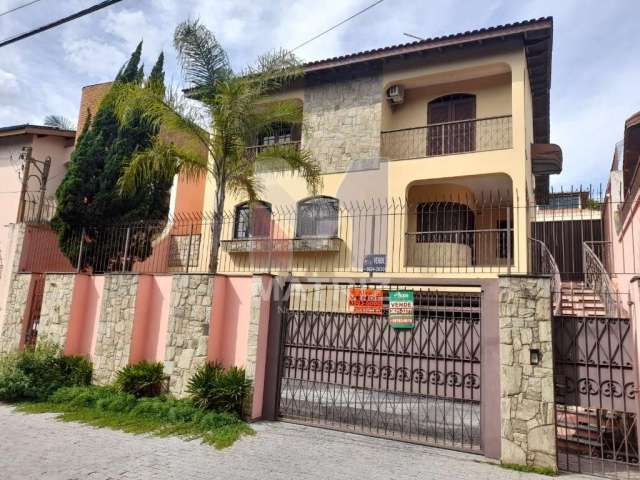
596	395
355	372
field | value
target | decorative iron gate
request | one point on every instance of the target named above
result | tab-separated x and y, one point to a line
35	307
596	395
357	373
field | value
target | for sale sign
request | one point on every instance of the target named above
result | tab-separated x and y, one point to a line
368	301
401	309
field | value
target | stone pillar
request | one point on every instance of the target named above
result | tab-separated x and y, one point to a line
528	428
56	307
115	326
257	339
11	264
188	328
16	306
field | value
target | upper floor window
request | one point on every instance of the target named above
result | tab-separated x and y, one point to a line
451	124
252	220
317	217
279	133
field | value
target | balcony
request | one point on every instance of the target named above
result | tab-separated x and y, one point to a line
274	165
282	245
465	136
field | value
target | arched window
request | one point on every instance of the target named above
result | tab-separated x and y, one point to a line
451	124
317	217
252	220
447	222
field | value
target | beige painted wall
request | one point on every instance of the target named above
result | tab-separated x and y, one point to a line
493	99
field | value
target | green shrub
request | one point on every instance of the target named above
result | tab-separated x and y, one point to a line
143	379
35	373
163	415
213	387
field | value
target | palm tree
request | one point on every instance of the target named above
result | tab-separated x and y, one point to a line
59	121
233	110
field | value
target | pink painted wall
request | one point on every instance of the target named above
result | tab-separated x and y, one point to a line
624	248
230	313
149	336
85	313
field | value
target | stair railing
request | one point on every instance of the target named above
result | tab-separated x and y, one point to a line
542	262
597	278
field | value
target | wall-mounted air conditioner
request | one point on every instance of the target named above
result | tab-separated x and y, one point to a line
395	94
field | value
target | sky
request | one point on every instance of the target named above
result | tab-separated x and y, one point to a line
595	73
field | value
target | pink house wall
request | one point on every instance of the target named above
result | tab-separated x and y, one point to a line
230	316
85	313
625	250
149	336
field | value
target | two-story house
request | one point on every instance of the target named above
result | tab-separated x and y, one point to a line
431	152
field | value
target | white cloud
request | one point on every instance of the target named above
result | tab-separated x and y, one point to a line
93	58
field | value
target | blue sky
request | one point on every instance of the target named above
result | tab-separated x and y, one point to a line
595	75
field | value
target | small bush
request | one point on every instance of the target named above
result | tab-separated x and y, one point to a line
35	373
214	388
143	379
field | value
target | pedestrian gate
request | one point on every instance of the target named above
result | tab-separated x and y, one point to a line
356	372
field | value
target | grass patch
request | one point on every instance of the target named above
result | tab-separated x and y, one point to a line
529	469
163	416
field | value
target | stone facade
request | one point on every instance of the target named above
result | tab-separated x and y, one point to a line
56	307
115	326
188	329
11	264
342	121
17	303
528	427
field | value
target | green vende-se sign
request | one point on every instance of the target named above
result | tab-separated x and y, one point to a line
401	309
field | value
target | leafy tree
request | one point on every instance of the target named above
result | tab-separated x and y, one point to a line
89	199
237	107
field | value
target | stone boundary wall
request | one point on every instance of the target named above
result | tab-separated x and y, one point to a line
115	326
528	427
188	329
17	304
56	307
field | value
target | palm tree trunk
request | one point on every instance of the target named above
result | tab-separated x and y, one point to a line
216	227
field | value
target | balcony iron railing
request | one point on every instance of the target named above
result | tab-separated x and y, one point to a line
465	136
270	165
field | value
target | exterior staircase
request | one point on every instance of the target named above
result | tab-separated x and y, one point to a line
579	301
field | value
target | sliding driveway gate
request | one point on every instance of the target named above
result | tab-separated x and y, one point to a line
356	372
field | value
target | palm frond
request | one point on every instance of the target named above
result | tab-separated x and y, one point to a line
274	70
161	162
203	60
298	160
59	121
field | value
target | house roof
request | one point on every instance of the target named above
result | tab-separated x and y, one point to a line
537	38
28	128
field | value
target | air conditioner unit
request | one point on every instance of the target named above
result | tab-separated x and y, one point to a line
395	94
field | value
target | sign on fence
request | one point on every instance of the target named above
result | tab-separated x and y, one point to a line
374	263
401	309
368	301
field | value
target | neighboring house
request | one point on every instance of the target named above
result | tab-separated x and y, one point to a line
431	152
620	252
44	143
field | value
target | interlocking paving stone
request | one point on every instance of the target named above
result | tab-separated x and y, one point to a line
39	447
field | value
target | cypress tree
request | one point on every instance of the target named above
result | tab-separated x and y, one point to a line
89	199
